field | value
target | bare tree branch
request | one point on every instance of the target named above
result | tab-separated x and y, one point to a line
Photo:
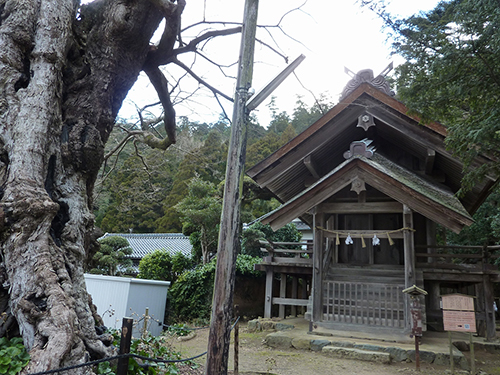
204	22
219	66
320	107
138	154
192	45
200	80
120	145
161	86
273	49
223	110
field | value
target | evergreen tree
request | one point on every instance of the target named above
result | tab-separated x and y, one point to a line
200	213
452	75
207	163
111	259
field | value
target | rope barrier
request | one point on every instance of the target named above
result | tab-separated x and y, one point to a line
128	355
368	232
91	363
178	328
108	359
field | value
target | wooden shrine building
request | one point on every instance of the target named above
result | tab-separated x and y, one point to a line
374	183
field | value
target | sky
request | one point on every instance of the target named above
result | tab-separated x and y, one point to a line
331	34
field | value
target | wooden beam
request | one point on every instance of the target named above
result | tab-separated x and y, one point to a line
329	243
258	98
290	301
303	269
317	291
308	146
429	161
431	237
311	166
440	275
308	201
409	257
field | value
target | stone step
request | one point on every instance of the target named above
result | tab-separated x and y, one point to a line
357	354
361	351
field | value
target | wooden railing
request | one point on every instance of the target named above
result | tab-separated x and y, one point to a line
481	258
288	252
363	303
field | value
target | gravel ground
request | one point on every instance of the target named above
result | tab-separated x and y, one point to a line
257	358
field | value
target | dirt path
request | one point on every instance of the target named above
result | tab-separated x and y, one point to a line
255	356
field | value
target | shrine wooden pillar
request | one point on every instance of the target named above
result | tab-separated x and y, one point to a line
269	292
295	285
489	300
409	257
317	307
489	311
282	295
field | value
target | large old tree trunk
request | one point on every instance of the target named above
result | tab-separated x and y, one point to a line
64	72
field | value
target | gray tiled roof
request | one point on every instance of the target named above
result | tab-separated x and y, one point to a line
301	226
145	243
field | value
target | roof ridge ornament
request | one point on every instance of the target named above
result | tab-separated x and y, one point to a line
360	148
366	75
365	121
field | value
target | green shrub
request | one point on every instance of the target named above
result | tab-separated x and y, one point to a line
156	266
160	265
191	295
13	355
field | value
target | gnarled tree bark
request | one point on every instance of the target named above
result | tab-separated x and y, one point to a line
65	70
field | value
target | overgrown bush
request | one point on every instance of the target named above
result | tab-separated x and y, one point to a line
191	294
250	243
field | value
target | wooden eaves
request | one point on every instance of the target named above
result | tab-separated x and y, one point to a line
418	194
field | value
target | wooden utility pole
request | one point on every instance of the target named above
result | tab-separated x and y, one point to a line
222	303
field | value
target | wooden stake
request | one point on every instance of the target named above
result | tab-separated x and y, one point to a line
452	362
222	303
126	338
472	356
417	354
236	347
145	327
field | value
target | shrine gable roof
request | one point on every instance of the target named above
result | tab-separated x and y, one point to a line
366	112
421	195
